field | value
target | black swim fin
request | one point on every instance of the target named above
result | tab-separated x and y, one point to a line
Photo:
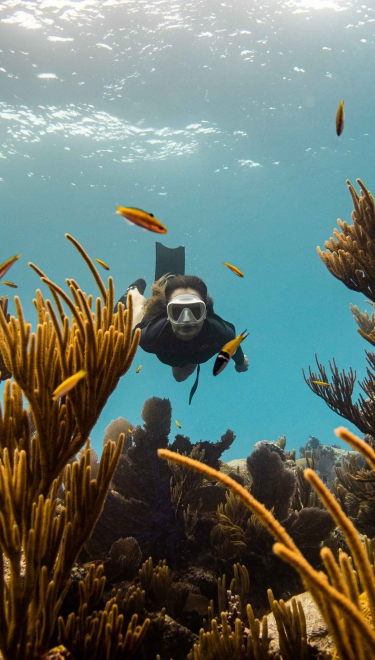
169	260
194	388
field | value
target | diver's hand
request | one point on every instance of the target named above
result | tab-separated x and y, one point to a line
240	368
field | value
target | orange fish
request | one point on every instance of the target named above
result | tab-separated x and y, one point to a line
7	264
234	269
142	218
340	118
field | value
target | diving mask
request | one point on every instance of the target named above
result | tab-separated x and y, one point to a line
186	309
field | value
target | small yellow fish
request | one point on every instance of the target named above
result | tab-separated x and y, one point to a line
7	264
142	218
68	384
234	269
130	431
321	382
11	284
227	351
340	118
138	369
103	264
177	423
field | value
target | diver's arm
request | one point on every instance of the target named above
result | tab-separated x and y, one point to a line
240	368
238	356
241	362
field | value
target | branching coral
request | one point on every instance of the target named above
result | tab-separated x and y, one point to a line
365	323
338	396
354	488
351	257
39	545
291	626
110	633
239	535
337	598
224	643
99	343
236	634
305	496
225	636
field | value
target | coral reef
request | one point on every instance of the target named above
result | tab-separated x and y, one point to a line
175	515
116	428
326	458
235	632
114	632
354	488
348	612
163	518
272	483
164	540
39	540
238	536
317	636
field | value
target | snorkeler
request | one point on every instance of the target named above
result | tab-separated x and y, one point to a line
178	323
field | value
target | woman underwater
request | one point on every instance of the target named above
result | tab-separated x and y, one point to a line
178	324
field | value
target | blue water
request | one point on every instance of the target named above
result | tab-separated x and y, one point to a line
219	118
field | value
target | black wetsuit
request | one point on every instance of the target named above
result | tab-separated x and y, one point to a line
158	337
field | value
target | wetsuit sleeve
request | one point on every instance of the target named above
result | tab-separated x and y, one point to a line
239	357
150	333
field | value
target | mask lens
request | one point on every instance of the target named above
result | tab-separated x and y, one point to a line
196	310
175	311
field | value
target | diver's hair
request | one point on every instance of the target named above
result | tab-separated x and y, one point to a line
163	289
